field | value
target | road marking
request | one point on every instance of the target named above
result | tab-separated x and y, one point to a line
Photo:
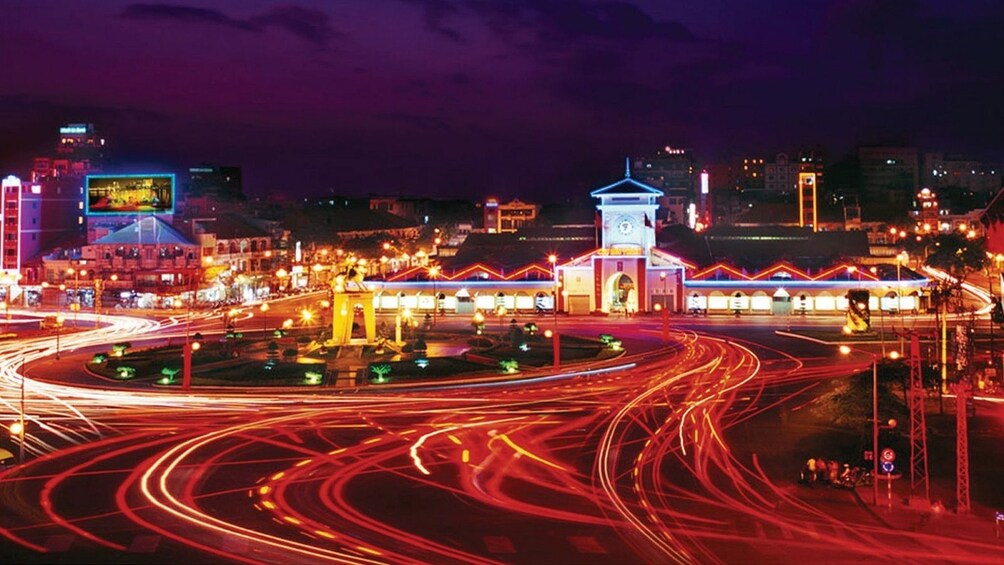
144	544
499	544
587	544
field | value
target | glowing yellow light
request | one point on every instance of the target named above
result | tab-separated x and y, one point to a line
844	350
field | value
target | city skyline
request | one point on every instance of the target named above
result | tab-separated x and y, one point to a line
446	98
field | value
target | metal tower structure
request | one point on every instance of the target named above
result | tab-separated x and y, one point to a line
962	448
918	424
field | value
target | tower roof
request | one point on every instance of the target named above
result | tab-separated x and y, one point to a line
626	185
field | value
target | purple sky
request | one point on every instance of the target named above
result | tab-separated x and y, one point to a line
530	98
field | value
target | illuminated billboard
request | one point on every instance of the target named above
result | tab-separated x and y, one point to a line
130	194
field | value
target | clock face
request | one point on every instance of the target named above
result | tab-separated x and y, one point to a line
625	227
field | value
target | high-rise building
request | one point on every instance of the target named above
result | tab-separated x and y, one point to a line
36	217
943	171
215	180
782	172
672	170
889	174
78	151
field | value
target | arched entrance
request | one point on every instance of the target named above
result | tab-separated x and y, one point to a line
621	293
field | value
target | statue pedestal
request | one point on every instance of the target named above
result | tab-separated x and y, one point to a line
343	307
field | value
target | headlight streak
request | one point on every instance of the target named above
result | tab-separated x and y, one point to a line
304	493
159	494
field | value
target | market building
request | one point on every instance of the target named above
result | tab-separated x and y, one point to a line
623	268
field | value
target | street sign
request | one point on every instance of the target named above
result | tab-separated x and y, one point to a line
888	467
888	455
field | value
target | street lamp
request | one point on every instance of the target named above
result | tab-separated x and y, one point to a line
281	274
434	274
845	350
264	319
479	322
553	260
59	324
75	307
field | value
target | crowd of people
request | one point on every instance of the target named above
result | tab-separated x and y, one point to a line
819	471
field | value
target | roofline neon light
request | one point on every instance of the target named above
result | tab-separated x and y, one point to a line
461	275
793	283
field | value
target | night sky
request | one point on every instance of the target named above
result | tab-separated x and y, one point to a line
530	98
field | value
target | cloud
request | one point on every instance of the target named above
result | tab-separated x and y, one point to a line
559	21
436	12
309	25
552	22
312	26
183	14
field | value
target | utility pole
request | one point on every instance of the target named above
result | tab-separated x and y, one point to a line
962	448
918	424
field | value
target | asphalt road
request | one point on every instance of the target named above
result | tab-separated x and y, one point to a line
635	463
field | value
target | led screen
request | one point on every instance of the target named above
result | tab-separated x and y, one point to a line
130	194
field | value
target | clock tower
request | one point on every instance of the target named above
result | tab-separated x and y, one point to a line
627	210
628	273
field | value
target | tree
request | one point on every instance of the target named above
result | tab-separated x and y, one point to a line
957	255
850	403
119	349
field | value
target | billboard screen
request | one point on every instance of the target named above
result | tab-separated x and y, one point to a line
130	194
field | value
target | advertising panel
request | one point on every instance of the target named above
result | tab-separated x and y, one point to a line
130	194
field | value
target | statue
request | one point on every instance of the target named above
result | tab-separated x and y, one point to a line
352	275
349	292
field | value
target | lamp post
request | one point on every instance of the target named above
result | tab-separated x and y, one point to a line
59	325
845	350
479	322
75	307
434	274
264	319
553	260
281	274
555	347
20	431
